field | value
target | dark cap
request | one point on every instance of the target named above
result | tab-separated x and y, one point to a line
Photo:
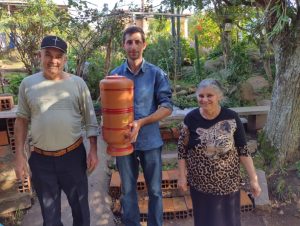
52	41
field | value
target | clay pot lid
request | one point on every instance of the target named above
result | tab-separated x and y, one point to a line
115	76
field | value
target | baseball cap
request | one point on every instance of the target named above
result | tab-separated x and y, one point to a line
52	41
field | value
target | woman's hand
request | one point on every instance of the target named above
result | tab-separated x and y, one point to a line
182	183
255	188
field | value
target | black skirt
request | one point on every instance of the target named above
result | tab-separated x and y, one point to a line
216	210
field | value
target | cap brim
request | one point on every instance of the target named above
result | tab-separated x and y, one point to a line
56	47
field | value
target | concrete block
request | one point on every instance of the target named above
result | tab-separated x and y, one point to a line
263	200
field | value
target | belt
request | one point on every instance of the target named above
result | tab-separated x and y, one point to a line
59	152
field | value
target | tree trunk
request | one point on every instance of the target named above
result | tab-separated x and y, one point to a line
268	70
226	47
108	56
283	123
174	45
265	56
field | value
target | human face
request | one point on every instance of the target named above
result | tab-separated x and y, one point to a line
53	61
208	98
134	46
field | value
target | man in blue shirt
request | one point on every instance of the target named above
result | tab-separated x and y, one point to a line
152	102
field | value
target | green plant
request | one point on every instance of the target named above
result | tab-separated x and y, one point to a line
15	80
215	53
239	65
297	164
280	189
203	25
266	152
185	102
265	93
159	52
13	218
169	146
169	166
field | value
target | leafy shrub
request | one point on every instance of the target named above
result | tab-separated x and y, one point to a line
15	80
188	53
215	53
280	189
265	150
239	65
160	53
298	168
184	102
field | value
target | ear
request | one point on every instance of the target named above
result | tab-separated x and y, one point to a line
145	45
39	54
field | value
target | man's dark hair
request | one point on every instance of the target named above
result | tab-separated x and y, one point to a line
133	29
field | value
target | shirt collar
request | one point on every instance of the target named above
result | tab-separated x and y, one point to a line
142	68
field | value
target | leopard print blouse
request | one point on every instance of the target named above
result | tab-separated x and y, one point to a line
211	149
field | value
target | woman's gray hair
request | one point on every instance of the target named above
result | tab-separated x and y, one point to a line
209	82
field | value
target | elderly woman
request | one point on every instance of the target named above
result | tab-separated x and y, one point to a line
211	145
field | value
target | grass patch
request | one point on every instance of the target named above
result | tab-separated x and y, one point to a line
169	165
169	146
12	219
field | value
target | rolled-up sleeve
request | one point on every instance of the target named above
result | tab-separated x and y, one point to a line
163	91
88	113
23	110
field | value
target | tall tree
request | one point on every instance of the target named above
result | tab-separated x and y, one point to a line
283	123
28	27
88	29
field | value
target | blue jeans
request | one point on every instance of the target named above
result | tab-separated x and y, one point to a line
128	167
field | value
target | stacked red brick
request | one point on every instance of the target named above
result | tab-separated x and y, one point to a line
176	205
13	194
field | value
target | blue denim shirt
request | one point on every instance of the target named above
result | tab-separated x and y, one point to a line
151	89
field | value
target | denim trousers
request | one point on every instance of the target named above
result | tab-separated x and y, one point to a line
51	175
128	167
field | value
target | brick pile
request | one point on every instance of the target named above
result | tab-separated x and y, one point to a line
14	194
176	204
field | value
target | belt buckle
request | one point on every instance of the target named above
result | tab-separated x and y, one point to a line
56	154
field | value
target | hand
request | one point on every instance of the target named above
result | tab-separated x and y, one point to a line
135	128
21	167
182	183
92	161
255	188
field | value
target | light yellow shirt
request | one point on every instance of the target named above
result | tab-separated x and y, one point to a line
57	110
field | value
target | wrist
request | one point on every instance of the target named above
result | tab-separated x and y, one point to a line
19	154
93	149
254	180
141	122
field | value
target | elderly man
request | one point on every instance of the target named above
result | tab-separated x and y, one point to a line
57	105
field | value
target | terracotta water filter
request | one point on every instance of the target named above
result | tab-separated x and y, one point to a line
116	93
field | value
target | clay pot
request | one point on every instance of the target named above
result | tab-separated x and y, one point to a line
116	94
